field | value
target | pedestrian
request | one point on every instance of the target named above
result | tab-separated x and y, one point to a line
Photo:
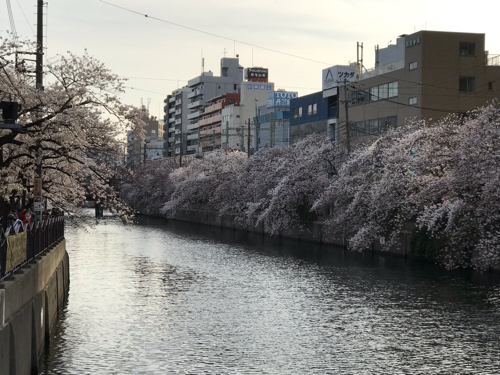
17	221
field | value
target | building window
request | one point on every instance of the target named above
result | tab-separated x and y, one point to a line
374	94
490	86
413	65
309	109
467	84
467	49
383	91
412	101
315	108
300	111
393	89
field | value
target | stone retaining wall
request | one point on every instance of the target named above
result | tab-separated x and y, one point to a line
29	305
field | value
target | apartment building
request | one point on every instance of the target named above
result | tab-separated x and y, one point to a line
210	120
424	75
236	120
176	113
206	87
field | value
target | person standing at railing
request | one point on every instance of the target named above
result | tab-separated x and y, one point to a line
25	216
14	221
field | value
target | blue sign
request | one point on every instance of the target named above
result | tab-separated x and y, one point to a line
413	42
280	98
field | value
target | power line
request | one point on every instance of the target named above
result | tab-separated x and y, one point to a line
212	34
29	24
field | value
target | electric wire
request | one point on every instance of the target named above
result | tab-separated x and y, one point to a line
29	24
213	34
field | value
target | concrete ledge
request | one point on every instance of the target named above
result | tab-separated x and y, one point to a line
29	303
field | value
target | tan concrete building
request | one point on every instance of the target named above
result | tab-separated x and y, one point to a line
425	75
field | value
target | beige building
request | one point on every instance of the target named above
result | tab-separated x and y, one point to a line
425	75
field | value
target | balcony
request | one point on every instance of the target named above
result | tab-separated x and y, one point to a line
194	93
171	100
193	115
210	132
178	102
192	148
192	126
177	131
190	137
194	104
213	107
210	143
171	110
178	121
210	120
178	111
171	119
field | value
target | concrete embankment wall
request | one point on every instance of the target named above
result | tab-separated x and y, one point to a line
29	305
314	235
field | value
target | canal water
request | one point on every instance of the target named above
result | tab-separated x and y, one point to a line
175	298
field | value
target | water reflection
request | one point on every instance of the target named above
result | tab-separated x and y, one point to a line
176	298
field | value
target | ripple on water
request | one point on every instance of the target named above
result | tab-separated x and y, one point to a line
170	299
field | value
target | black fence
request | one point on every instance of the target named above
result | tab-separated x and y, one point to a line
21	244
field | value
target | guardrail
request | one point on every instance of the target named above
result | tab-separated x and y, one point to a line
21	244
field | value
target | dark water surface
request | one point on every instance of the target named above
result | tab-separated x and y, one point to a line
172	298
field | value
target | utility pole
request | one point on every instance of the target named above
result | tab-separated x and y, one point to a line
37	199
347	130
272	136
227	135
39	46
248	136
243	137
180	152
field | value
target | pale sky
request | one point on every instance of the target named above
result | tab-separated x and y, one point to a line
159	57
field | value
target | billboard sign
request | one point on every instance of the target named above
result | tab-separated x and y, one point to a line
280	98
252	73
337	75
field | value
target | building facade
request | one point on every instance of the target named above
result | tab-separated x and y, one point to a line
272	125
425	75
210	120
206	87
176	113
237	121
313	114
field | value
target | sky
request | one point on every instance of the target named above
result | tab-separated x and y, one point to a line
294	39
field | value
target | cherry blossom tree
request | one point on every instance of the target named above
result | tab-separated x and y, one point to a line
461	197
69	130
147	187
443	176
275	187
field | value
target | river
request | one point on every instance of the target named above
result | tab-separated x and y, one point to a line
175	298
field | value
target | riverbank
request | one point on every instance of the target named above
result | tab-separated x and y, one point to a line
29	305
315	234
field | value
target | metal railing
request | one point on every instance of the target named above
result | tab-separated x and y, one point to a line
40	236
